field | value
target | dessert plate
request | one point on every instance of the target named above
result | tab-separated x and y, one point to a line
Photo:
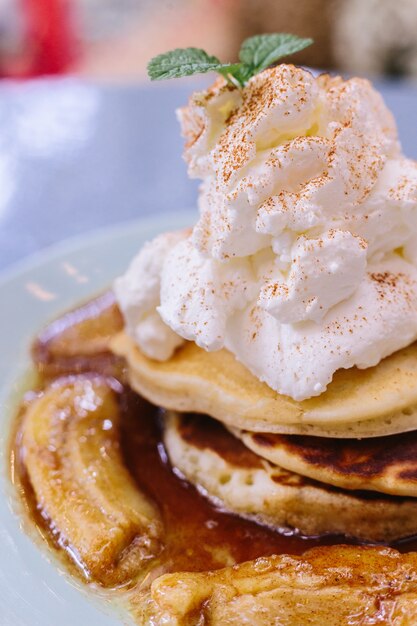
34	589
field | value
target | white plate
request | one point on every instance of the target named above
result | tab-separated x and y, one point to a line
34	591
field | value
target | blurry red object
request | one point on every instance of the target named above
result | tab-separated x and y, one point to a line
49	43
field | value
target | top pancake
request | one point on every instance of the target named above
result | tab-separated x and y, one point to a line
358	403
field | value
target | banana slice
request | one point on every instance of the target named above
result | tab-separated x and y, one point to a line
79	340
332	585
71	450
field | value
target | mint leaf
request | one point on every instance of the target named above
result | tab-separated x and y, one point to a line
241	74
256	54
261	51
232	73
185	62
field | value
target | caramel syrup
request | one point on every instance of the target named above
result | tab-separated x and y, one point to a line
198	535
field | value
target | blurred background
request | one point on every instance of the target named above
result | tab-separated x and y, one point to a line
114	39
87	141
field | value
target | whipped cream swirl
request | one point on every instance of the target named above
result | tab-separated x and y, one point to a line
304	258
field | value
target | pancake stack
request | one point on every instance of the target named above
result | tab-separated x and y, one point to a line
341	463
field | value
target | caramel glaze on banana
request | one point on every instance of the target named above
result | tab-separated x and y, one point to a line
89	463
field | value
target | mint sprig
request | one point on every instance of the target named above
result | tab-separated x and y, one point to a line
256	54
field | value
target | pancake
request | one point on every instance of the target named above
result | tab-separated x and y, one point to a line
378	401
238	480
383	464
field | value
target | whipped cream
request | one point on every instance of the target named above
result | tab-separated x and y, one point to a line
304	258
137	293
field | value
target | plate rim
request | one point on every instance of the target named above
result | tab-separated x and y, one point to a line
53	250
33	559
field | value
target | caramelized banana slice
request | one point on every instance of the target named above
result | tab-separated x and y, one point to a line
72	454
79	340
336	586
